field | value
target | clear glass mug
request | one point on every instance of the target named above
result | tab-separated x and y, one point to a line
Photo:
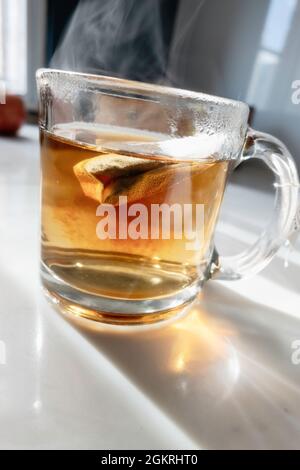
133	177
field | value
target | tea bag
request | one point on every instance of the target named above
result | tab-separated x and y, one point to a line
147	184
107	177
94	174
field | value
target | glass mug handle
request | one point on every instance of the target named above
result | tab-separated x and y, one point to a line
253	259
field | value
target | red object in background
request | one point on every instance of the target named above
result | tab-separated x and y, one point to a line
12	115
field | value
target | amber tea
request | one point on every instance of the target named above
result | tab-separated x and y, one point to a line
121	226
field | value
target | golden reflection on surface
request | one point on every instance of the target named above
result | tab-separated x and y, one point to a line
186	355
197	341
179	363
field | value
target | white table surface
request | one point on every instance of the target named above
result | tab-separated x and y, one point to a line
220	378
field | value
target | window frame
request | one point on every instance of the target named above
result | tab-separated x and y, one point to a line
36	47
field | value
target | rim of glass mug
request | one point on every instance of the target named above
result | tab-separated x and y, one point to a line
223	118
134	85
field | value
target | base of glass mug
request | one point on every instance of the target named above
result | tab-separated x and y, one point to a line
70	300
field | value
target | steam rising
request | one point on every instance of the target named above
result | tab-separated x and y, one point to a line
116	37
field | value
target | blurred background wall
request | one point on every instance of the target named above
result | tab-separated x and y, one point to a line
246	50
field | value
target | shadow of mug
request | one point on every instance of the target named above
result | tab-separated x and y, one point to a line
187	367
203	370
